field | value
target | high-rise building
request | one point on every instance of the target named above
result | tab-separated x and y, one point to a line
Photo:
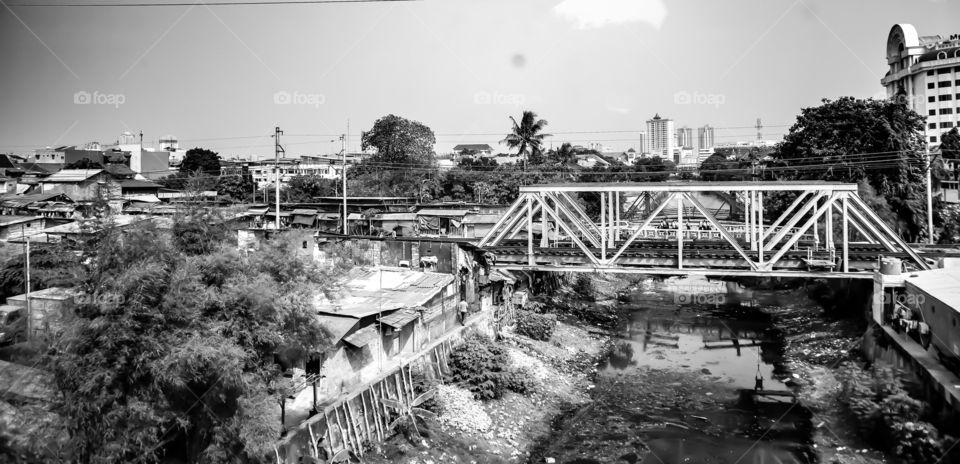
705	137
662	136
925	72
685	137
644	139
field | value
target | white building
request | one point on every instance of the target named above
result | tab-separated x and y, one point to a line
662	137
685	137
925	70
705	138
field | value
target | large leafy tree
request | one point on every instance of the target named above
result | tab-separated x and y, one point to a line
201	159
399	141
238	188
527	136
849	140
180	364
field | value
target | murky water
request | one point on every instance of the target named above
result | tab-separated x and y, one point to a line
712	345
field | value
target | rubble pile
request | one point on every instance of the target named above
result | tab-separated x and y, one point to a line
459	410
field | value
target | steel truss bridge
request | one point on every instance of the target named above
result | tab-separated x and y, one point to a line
664	228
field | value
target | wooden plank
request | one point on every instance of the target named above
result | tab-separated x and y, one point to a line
352	424
329	433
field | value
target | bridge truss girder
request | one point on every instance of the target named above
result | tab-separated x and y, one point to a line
627	211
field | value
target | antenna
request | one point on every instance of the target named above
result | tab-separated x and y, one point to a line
759	126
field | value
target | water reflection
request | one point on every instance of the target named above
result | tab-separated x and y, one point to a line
728	334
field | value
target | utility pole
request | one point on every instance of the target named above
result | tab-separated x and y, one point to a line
343	176
29	312
929	196
277	149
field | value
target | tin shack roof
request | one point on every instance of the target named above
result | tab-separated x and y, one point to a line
371	291
942	284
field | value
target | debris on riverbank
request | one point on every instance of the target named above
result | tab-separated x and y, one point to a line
561	372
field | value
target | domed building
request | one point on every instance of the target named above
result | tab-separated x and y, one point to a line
925	71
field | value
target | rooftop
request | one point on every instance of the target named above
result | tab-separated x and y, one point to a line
371	291
72	175
942	284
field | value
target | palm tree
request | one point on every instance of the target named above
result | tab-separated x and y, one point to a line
565	155
527	135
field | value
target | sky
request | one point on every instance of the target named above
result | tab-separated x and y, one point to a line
222	77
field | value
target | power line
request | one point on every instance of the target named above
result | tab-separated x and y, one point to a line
202	3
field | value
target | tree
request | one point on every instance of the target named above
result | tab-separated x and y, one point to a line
201	159
238	188
304	189
563	156
654	169
85	163
849	140
182	368
399	142
527	137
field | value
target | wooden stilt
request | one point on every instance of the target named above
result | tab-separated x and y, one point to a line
352	423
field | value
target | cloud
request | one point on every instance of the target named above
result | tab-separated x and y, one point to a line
599	13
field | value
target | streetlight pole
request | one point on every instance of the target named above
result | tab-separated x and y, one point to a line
276	169
929	196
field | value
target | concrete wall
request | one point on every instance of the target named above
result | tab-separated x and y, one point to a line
50	310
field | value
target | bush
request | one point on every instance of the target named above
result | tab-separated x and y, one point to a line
583	286
481	366
535	326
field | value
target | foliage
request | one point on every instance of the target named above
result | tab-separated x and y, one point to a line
198	231
50	266
399	141
85	163
304	189
846	140
481	366
238	188
887	416
183	369
950	144
583	287
175	181
535	326
202	160
527	137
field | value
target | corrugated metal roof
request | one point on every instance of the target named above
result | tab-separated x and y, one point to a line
442	212
11	220
502	275
337	326
72	175
942	284
370	291
133	183
400	318
362	337
304	212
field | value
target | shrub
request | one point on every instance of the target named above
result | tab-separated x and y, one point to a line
583	286
535	326
481	366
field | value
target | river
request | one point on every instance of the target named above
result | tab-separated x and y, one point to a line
679	382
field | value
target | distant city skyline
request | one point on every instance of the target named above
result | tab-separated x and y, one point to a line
222	77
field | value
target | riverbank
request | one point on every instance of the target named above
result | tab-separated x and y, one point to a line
504	430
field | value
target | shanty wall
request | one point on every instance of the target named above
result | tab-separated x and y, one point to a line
361	417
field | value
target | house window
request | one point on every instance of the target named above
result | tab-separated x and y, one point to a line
932	125
943	70
931	99
946	110
946	97
943	84
933	112
933	139
930	72
931	85
946	125
304	244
